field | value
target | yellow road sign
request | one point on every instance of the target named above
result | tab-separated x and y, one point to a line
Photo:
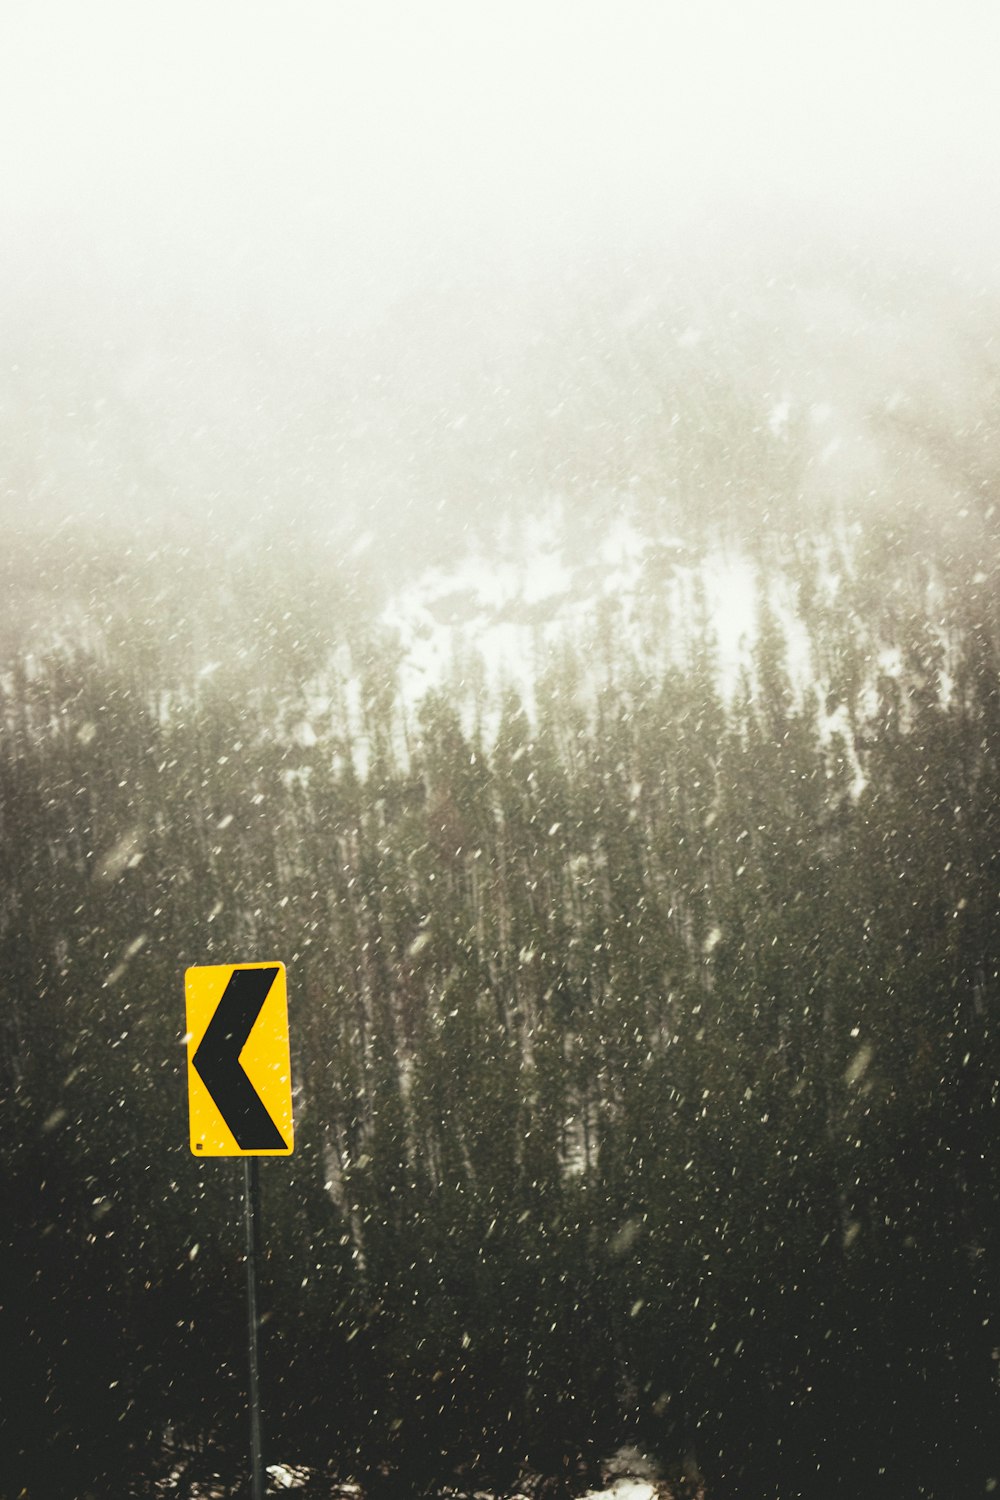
239	1070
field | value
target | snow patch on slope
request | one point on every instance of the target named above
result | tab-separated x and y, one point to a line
499	618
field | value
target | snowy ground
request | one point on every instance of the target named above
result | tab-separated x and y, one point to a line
626	1489
630	1476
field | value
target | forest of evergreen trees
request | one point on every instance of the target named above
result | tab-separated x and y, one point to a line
644	1041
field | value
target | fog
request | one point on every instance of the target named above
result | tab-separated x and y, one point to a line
372	288
240	146
317	265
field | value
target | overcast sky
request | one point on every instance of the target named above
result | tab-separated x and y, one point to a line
278	144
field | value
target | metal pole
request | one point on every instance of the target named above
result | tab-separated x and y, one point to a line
251	1202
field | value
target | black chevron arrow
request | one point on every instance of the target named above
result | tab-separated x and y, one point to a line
217	1061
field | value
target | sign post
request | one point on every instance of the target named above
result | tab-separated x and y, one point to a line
251	1203
240	1104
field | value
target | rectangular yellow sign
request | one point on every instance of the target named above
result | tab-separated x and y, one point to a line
239	1068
